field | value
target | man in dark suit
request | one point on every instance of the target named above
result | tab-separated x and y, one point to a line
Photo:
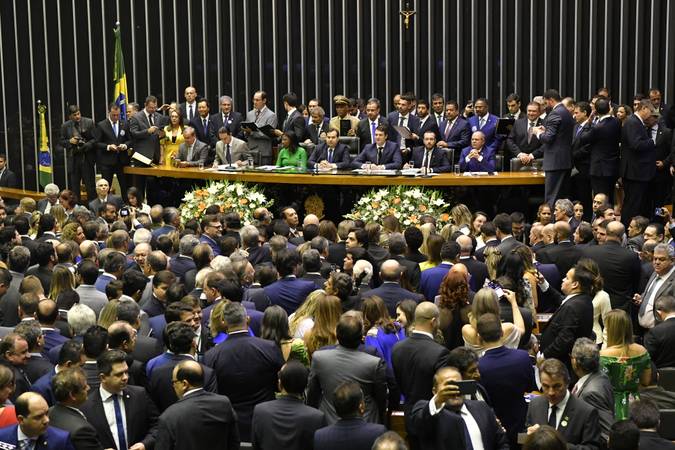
226	117
397	251
390	290
33	430
199	419
78	139
619	266
429	158
555	135
287	422
138	424
104	196
330	154
521	142
431	279
317	127
573	418
646	416
38	364
506	374
188	108
70	356
246	366
112	142
427	120
604	138
448	422
573	319
13	355
477	269
294	121
146	129
193	151
366	128
351	431
7	177
202	125
660	283
250	241
486	123
580	182
504	229
593	386
564	254
383	154
660	340
182	262
661	185
454	130
70	391
404	116
638	161
288	292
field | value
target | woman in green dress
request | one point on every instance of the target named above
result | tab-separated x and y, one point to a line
275	328
625	363
291	154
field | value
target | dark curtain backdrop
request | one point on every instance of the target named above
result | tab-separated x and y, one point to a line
61	52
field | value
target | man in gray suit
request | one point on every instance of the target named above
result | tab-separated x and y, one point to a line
555	135
331	367
259	142
660	283
146	128
192	152
229	149
593	386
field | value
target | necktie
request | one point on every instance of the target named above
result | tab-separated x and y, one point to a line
448	129
115	128
467	435
206	124
400	121
579	128
257	114
121	435
330	155
424	160
151	120
226	119
481	123
379	155
228	154
373	125
190	113
552	417
26	444
189	155
648	293
529	132
654	134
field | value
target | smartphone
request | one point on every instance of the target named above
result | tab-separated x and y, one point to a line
466	387
659	212
497	288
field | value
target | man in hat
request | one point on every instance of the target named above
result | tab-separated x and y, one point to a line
342	108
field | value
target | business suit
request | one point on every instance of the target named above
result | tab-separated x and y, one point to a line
295	123
660	342
8	179
445	430
246	369
508	244
83	435
146	348
492	139
597	391
411	270
145	144
180	265
212	423
188	111
579	424
331	367
96	203
620	269
200	153
392	293
667	287
44	274
557	150
340	156
564	255
53	439
112	162
603	138
289	292
315	131
580	183
365	130
428	124
238	151
651	440
477	270
438	163
285	423
480	253
232	121
485	164
456	134
43	386
160	386
140	412
204	133
82	156
638	167
413	124
520	140
352	434
259	142
431	279
662	183
391	157
37	366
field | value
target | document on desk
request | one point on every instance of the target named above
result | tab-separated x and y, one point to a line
416	173
228	167
374	172
477	174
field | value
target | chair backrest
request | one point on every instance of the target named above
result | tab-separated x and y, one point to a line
667	424
354	144
516	166
667	378
499	163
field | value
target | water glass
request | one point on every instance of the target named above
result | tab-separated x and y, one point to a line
457	169
249	162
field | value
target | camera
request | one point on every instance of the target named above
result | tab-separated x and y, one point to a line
124	212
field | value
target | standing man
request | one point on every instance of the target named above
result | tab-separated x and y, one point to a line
604	138
294	121
661	283
145	128
404	117
201	123
454	130
485	122
78	138
7	177
188	109
113	141
521	142
427	121
342	110
438	107
259	142
225	118
556	137
513	105
367	126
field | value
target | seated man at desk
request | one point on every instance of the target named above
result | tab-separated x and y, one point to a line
478	157
435	159
383	154
229	149
192	152
330	154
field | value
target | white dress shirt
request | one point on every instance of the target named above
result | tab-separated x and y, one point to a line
109	409
561	409
471	424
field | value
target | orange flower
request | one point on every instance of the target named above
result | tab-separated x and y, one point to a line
243	201
201	206
413	218
396	200
445	217
375	204
391	210
423	208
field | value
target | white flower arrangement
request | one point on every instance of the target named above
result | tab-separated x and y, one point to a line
404	203
237	197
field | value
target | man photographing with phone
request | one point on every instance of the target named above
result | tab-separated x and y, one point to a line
448	422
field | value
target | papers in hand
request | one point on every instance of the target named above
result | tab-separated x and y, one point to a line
267	130
403	131
141	158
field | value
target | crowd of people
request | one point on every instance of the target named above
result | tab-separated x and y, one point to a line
127	326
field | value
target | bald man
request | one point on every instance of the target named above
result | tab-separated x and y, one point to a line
47	314
548	240
564	254
477	269
391	291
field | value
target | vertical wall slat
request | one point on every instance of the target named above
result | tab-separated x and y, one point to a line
303	59
359	43
669	61
63	95
50	110
18	89
592	53
162	56
147	45
176	52
233	63
331	54
4	95
275	56
205	48
219	52
105	52
135	93
345	61
373	58
32	85
247	52
387	56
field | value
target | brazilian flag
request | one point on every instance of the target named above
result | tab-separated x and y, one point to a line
45	156
120	76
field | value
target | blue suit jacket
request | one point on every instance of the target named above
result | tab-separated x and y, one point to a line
340	156
157	325
486	165
431	279
204	239
102	282
439	159
166	229
392	293
53	338
391	156
492	139
289	292
43	386
255	316
556	141
460	135
354	434
53	439
180	264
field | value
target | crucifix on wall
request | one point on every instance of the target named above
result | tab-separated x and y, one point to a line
407	13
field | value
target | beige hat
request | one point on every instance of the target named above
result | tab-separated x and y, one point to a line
340	99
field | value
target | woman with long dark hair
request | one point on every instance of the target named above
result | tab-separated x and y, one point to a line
381	331
290	153
275	328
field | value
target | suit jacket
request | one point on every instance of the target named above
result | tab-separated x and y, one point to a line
480	253
289	292
259	255
232	121
183	107
581	149
180	265
354	434
340	156
492	139
487	164
598	392
392	293
411	271
246	368
650	440
44	274
391	156
160	386
144	143
430	124
296	124
200	152
92	297
508	244
517	140
8	179
439	159
141	417
43	386
82	434
212	423
146	348
393	119
204	134
314	132
638	151
564	255
102	282
604	138
53	439
620	268
37	366
106	136
445	430
336	253
257	141
431	279
477	270
285	423
459	136
579	424
86	129
660	342
331	367
364	130
664	139
238	151
557	139
53	337
96	203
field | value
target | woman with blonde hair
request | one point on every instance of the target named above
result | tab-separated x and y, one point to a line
493	258
326	317
434	244
73	232
60	215
486	301
108	314
173	137
601	302
302	320
62	280
427	230
626	363
461	218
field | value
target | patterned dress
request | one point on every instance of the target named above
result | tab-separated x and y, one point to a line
624	373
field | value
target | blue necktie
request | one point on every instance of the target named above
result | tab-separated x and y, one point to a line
467	435
373	125
330	155
121	436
